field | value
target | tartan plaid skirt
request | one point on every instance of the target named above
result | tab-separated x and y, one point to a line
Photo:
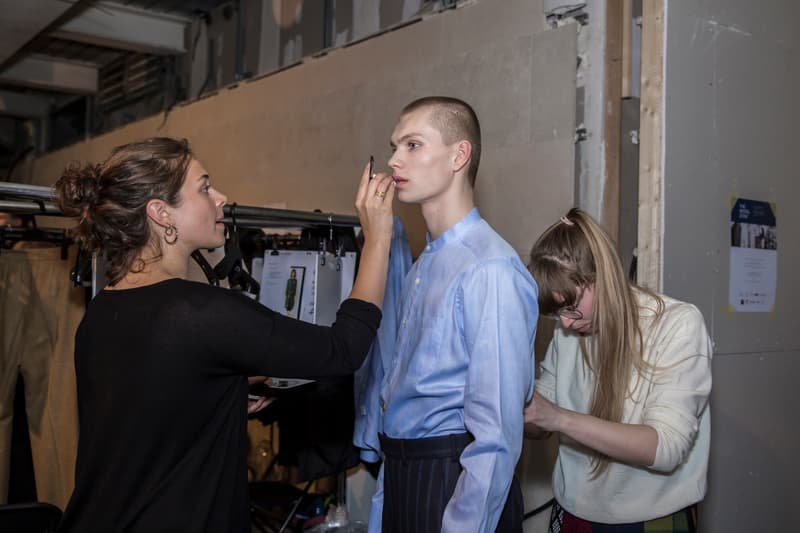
562	521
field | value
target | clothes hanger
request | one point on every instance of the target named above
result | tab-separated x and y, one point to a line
231	266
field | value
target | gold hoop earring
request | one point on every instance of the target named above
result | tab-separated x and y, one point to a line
171	234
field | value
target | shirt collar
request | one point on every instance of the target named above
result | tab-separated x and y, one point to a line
456	232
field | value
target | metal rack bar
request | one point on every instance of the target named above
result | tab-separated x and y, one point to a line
19	198
22	190
27	207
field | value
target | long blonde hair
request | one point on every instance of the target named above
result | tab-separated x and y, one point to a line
575	253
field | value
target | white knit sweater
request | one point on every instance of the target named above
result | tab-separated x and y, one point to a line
674	402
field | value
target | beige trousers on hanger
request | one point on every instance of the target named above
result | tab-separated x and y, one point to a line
40	312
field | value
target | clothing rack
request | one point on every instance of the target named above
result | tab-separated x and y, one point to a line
19	198
24	199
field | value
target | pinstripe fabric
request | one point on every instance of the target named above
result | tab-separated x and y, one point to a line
420	476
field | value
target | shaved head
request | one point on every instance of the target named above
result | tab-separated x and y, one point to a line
456	121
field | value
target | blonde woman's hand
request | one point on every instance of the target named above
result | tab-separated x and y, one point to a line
543	413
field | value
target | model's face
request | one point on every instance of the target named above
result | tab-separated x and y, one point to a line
423	165
198	217
578	317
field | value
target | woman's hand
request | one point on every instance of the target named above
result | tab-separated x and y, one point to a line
374	206
634	444
543	413
255	405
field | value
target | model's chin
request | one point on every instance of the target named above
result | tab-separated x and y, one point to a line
404	197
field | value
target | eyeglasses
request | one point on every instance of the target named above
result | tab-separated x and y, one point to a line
571	312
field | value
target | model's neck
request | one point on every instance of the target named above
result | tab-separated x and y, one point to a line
441	215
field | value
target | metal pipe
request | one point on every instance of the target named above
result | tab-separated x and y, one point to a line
245	215
23	190
265	214
26	207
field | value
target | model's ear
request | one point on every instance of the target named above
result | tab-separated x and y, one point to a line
462	154
158	212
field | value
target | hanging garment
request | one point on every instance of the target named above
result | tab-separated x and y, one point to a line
368	379
40	314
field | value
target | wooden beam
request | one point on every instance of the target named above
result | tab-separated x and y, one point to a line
651	145
627	21
612	118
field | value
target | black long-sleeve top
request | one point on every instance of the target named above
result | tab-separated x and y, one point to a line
162	398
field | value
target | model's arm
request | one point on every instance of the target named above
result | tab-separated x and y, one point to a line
498	306
374	206
376	510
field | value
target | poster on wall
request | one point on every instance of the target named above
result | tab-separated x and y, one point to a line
754	256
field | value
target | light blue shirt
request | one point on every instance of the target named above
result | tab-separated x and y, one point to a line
464	362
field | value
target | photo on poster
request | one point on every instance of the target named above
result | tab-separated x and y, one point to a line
293	293
758	236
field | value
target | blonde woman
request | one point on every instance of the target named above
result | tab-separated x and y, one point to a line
625	385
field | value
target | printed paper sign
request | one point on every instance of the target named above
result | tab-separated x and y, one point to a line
754	256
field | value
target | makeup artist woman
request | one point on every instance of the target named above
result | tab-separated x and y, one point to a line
162	362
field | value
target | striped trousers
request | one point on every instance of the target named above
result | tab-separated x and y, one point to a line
419	477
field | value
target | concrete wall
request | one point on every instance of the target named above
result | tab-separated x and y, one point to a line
300	137
731	78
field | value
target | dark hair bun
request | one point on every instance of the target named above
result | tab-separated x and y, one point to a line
77	188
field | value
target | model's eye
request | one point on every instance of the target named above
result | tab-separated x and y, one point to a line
413	145
206	189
